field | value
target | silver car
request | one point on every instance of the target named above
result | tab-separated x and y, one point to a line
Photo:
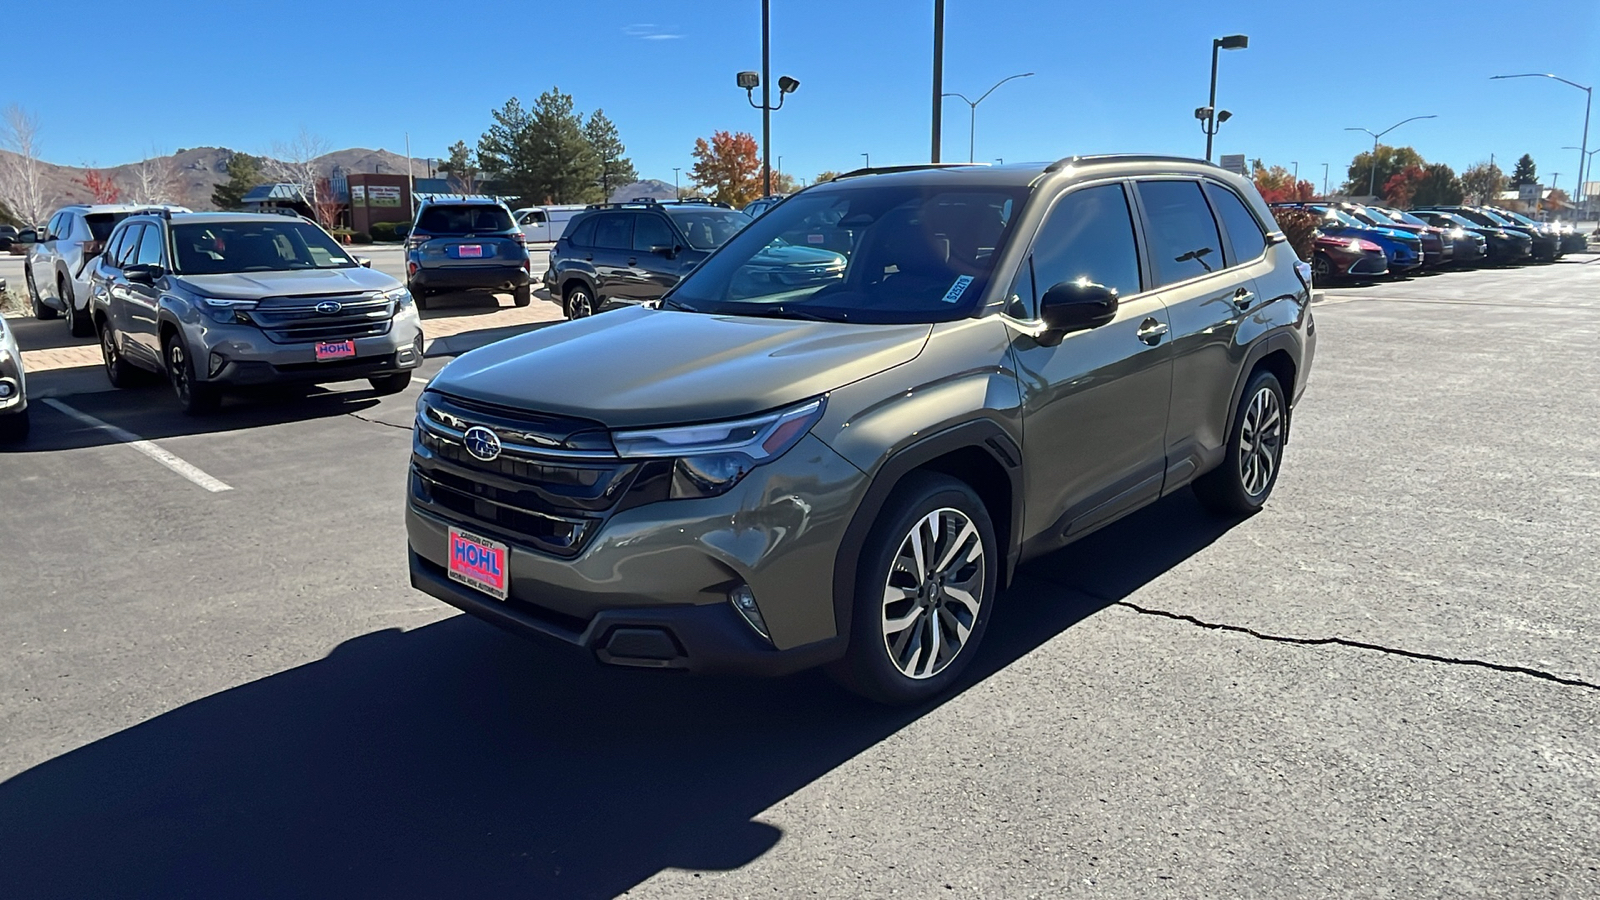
59	261
13	388
216	300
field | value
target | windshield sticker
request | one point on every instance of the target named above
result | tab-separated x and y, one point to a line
957	289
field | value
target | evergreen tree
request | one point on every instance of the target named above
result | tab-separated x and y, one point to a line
616	170
461	169
566	167
244	173
506	151
1524	173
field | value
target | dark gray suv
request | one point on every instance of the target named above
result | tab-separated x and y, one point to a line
843	469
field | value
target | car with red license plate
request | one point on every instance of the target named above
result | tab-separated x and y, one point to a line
221	300
468	244
1346	257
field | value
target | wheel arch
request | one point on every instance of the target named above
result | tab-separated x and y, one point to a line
982	455
1280	355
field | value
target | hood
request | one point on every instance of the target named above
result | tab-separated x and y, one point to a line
295	283
635	366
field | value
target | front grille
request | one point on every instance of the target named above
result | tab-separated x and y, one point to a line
555	482
295	320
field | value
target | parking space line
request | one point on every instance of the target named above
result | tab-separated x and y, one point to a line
148	448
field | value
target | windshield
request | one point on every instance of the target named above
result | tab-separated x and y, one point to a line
876	254
708	229
465	218
1370	216
1491	217
1407	218
1343	218
1516	217
216	248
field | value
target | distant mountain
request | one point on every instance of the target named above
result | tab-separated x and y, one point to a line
653	188
197	171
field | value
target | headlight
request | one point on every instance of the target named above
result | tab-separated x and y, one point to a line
1458	233
712	458
400	296
1355	245
225	312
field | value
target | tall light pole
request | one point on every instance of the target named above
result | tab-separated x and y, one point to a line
1588	105
972	122
751	80
938	78
1588	171
1324	181
1296	171
869	159
676	194
1210	119
1372	183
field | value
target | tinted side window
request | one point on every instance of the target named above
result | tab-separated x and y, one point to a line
128	247
583	234
1244	232
1089	235
533	217
650	231
1183	235
116	245
614	232
53	229
150	247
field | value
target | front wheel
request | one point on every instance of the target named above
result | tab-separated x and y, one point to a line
1321	270
384	385
40	311
78	323
1244	481
196	398
579	304
924	589
118	370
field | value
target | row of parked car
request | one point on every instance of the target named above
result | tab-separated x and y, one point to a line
1355	241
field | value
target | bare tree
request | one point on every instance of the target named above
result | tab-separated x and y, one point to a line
22	187
155	180
295	162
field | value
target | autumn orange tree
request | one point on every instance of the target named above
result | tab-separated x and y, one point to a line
1277	185
1402	186
100	186
728	166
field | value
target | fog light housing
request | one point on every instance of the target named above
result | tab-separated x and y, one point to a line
7	390
744	600
216	362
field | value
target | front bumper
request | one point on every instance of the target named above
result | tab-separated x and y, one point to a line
471	278
243	355
658	575
12	376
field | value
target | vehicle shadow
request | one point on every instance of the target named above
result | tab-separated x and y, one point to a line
453	304
454	760
44	334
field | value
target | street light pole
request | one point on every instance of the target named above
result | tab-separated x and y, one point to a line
763	79
1231	42
1324	181
972	121
869	159
938	78
1372	183
1588	172
1588	106
676	194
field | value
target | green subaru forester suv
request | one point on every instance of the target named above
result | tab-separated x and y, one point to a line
844	465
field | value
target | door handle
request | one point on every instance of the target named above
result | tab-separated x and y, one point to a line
633	260
1242	298
1151	331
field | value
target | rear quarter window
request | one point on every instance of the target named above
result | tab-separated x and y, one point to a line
1244	232
582	234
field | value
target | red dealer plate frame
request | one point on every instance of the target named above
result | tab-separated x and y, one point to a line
330	350
478	563
469	251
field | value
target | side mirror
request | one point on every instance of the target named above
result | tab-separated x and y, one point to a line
666	250
363	262
1078	306
27	236
143	274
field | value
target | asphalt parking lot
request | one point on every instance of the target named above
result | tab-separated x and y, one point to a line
1383	685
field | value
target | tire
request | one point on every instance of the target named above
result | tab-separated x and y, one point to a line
895	666
523	296
40	311
1321	270
384	385
14	427
197	399
1241	485
578	302
78	323
419	295
119	371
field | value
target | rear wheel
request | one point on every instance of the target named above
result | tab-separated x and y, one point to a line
197	398
385	385
419	295
925	586
1244	481
77	322
579	302
523	296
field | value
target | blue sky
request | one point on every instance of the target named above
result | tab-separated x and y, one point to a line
1114	76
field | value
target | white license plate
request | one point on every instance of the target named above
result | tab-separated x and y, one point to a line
469	251
327	350
478	562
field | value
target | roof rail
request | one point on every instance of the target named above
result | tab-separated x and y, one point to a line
885	170
161	211
1066	161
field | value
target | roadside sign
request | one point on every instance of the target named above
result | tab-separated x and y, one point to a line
1233	162
1529	193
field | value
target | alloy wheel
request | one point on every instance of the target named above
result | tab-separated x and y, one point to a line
178	370
1260	441
108	351
933	593
582	306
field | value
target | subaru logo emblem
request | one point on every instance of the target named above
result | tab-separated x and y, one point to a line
329	307
482	443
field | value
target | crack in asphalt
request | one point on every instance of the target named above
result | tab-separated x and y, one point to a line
377	422
1358	645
